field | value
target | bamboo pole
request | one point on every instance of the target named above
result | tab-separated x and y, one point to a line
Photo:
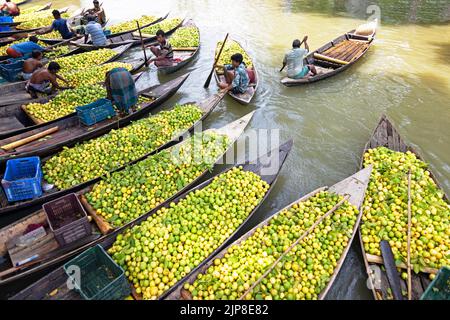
21	142
409	235
322	57
307	232
142	43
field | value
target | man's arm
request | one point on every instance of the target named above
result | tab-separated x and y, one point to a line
305	40
45	30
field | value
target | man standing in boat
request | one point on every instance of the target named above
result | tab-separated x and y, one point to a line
163	52
121	89
60	25
294	60
9	9
236	76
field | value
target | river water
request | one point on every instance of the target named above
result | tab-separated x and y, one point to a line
406	75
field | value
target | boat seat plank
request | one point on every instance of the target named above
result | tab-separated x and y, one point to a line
10	123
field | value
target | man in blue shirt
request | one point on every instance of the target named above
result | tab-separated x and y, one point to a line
95	30
24	48
60	25
236	76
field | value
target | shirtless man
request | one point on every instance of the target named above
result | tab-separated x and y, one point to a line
32	64
99	12
45	80
9	9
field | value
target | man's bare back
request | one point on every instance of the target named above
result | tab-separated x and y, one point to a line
30	65
43	75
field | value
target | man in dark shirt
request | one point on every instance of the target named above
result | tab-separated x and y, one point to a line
163	53
60	25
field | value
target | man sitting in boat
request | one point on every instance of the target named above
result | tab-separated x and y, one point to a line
95	30
163	53
294	61
9	9
58	24
32	64
98	12
45	80
121	89
236	76
21	49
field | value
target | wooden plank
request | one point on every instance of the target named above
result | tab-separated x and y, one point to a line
379	260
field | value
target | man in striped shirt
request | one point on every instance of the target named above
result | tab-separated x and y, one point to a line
163	53
94	29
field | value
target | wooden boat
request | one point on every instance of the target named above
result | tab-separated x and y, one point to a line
105	233
14	94
246	97
20	3
41	8
182	56
336	56
57	279
70	131
385	135
27	206
17	29
127	38
114	35
69	43
355	186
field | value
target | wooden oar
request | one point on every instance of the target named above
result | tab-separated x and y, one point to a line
409	236
391	270
142	43
306	233
208	81
29	139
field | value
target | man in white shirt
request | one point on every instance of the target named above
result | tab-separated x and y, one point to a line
294	61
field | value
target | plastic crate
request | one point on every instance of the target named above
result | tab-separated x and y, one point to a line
107	32
100	278
5	19
439	288
12	71
95	112
22	179
67	219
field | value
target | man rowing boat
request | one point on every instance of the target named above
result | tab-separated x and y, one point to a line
294	61
9	9
98	12
163	52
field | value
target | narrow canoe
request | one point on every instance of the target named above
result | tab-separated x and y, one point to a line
355	186
18	30
28	205
336	56
70	131
385	135
127	38
232	130
53	41
246	97
182	57
14	92
41	8
57	279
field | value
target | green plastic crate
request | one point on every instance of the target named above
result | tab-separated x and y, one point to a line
100	277
439	288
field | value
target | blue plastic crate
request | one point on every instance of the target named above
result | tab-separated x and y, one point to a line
96	276
22	179
5	19
95	112
12	71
